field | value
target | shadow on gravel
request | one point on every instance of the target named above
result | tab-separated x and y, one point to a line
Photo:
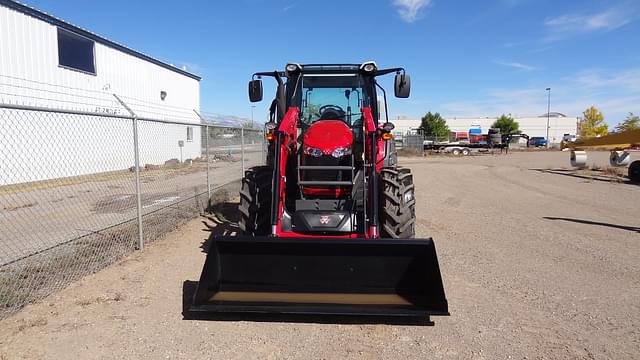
589	222
189	289
596	176
223	220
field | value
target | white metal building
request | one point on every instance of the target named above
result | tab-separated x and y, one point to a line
46	62
559	124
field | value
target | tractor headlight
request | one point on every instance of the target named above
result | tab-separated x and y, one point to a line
292	68
341	151
369	67
311	151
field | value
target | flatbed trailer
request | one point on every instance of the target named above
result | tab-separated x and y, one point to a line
463	149
466	148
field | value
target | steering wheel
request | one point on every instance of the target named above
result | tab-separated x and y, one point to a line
331	112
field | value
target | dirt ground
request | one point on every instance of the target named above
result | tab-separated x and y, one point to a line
537	261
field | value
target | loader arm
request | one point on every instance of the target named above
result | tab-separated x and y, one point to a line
285	145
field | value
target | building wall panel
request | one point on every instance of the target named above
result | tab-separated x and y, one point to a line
30	75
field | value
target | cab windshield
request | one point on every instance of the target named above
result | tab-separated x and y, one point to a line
332	97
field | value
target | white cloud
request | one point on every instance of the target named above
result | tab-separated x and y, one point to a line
513	44
513	3
615	93
567	25
288	7
518	102
515	65
409	10
628	79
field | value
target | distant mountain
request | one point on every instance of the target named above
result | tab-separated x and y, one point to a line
228	120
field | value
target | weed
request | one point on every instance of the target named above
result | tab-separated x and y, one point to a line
409	152
40	321
613	171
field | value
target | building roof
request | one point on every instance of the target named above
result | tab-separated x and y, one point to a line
27	10
553	114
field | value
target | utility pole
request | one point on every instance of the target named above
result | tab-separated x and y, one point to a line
548	113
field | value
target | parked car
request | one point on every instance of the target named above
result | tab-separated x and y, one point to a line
566	140
537	141
569	138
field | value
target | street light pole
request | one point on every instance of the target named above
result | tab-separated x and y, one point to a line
548	113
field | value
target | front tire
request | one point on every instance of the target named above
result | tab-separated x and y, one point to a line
397	205
255	201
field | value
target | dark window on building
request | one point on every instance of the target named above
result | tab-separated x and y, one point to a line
76	52
189	133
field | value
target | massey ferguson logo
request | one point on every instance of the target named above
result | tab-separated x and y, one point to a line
324	219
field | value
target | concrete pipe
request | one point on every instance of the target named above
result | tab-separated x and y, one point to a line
578	158
619	158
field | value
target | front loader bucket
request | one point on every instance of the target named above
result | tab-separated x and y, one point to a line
387	277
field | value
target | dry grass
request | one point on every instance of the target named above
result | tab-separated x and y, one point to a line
26	324
54	183
409	152
21	206
169	170
116	297
613	171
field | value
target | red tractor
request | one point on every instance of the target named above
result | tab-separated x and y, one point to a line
328	223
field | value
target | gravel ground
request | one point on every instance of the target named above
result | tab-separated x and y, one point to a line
37	216
536	264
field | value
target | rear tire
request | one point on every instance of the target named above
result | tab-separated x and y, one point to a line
255	201
397	205
634	171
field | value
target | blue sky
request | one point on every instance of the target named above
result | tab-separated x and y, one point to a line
466	58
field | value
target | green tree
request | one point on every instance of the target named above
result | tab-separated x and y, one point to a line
592	123
434	125
632	122
507	125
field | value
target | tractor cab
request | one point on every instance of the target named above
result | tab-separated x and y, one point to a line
332	98
331	134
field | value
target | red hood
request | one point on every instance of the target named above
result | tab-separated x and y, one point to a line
328	135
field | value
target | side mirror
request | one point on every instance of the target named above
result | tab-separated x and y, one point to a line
255	90
402	85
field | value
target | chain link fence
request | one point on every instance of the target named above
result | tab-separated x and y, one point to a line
79	189
412	144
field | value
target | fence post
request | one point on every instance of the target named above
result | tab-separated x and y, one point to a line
136	155
206	144
242	148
